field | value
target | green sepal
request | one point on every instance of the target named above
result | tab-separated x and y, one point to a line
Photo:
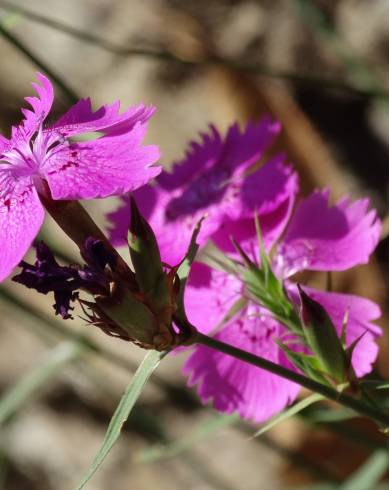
144	250
289	412
322	338
260	280
146	260
307	364
130	314
183	269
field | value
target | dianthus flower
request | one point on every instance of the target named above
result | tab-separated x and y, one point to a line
209	181
40	159
317	237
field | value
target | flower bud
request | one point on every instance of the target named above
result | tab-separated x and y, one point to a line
117	309
144	250
135	318
153	282
322	338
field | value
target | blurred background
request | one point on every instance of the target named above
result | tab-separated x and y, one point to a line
322	68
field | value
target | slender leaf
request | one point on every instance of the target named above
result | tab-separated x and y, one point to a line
369	474
372	384
126	404
289	412
358	69
176	447
10	20
35	60
3	469
184	268
15	397
325	415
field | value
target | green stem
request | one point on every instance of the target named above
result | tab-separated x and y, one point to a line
67	91
341	398
304	79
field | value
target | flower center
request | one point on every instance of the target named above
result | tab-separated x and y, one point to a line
28	154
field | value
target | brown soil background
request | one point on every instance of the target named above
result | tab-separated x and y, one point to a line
336	137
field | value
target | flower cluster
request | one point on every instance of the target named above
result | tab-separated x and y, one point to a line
212	181
216	180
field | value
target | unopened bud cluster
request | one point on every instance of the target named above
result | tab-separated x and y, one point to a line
139	308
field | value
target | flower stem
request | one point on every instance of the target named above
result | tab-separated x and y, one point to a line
24	49
342	398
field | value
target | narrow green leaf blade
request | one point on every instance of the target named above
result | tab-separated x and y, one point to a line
289	412
126	404
369	474
184	268
371	384
325	415
16	396
176	447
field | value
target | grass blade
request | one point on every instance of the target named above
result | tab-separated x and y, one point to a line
16	396
67	91
176	447
324	415
127	402
368	475
289	412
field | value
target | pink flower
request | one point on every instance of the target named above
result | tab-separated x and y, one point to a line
318	237
211	180
111	164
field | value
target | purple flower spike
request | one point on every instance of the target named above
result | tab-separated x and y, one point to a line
209	181
113	163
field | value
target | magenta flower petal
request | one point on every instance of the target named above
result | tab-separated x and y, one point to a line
173	236
237	151
207	182
205	306
40	106
244	232
80	170
269	187
320	237
82	119
235	386
216	179
21	216
271	192
112	164
361	313
4	143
